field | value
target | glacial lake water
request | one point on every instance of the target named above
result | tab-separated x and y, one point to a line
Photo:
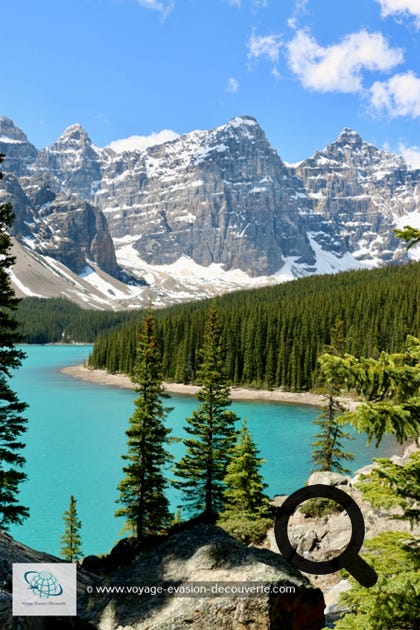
76	436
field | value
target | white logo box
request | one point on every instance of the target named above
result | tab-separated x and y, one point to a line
43	589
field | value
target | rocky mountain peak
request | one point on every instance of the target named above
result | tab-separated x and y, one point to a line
74	134
347	148
73	160
243	128
14	144
350	137
243	122
9	132
350	150
221	197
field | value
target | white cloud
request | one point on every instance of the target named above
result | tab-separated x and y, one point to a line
339	67
398	96
141	143
164	8
401	7
299	11
232	85
259	4
410	154
264	47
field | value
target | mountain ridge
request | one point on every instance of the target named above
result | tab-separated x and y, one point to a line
221	205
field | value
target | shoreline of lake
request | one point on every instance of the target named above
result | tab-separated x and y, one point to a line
102	377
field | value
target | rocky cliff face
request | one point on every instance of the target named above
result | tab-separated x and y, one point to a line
73	162
357	193
222	196
50	219
19	152
214	202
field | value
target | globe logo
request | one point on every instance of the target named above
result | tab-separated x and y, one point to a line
43	583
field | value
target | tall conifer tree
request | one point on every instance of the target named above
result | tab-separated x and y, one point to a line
12	424
71	541
212	429
244	494
142	491
327	447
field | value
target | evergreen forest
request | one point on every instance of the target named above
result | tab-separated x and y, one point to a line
56	320
272	336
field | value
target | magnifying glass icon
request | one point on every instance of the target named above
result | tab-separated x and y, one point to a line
349	559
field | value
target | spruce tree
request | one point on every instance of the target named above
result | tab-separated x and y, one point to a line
389	386
142	491
202	470
327	447
244	493
391	485
246	513
394	601
71	549
12	424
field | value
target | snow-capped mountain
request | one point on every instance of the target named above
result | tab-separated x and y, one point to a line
203	213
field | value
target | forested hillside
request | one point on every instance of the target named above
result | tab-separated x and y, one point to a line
272	336
56	320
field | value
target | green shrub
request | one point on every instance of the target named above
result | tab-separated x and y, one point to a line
247	530
314	508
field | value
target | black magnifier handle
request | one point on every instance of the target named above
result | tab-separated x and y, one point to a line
359	569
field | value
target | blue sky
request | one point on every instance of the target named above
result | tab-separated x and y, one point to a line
304	68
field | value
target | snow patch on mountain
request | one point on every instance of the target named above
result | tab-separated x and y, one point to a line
201	213
188	273
98	281
26	291
328	262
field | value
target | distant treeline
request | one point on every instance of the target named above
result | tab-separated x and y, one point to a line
272	336
56	320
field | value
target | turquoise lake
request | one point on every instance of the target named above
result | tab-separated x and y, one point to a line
76	436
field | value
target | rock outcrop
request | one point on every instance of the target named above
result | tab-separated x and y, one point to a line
200	556
324	538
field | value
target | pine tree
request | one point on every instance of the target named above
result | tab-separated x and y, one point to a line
246	513
327	448
409	234
12	424
390	485
394	601
390	387
212	429
71	549
245	486
142	491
